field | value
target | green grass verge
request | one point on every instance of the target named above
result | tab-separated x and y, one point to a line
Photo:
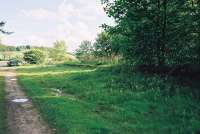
3	113
88	100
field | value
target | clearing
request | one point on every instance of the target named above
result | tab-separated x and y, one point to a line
108	100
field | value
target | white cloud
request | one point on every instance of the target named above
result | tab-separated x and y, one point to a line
72	21
38	14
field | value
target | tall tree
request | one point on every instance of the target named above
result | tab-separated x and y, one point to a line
157	32
102	45
58	52
84	52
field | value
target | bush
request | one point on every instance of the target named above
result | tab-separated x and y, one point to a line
17	61
34	56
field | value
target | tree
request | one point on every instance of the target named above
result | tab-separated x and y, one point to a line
102	45
84	52
140	22
156	32
34	56
59	51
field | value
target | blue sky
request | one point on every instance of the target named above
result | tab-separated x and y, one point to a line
42	22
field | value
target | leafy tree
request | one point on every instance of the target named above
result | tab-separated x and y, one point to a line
34	56
84	52
156	32
28	47
59	51
102	46
25	47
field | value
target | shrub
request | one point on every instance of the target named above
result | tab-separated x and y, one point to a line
17	61
34	56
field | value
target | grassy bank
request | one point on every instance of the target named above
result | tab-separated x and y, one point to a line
3	123
89	100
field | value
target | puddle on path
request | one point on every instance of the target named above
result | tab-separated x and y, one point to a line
13	79
20	100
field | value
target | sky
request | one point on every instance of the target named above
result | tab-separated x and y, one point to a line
42	22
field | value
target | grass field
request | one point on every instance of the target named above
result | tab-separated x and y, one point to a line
3	123
107	100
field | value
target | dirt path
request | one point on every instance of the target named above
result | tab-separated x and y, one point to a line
22	117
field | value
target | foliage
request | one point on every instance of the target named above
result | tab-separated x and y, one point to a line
23	47
107	48
79	99
7	55
18	60
59	51
70	58
34	56
156	32
102	45
4	48
103	51
84	52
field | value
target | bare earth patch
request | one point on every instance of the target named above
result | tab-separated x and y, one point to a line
23	118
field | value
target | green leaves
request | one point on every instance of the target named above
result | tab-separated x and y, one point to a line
157	32
34	56
84	52
102	46
58	53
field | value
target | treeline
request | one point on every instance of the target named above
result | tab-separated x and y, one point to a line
4	48
42	55
155	33
99	52
10	52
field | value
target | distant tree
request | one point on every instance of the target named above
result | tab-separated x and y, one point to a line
18	48
28	47
24	47
6	48
34	56
102	45
58	52
108	47
84	51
